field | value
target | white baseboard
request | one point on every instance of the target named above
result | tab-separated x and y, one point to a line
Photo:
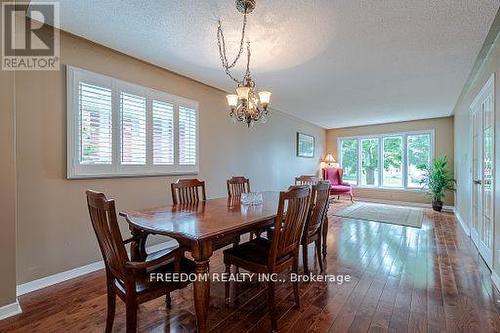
58	277
75	272
464	226
450	209
496	279
10	310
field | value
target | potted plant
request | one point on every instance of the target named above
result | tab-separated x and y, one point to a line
437	180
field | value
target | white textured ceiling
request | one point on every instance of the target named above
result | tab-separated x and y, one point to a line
335	63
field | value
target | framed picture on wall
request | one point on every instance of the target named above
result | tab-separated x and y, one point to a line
305	145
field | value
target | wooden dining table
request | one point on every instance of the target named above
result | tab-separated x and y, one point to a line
199	227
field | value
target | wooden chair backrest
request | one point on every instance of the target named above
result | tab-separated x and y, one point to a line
185	191
306	180
319	205
237	185
103	216
292	213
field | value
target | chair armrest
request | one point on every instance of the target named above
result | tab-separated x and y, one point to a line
345	184
141	265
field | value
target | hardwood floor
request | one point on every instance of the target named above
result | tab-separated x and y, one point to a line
403	280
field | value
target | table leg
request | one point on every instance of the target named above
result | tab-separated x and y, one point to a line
201	290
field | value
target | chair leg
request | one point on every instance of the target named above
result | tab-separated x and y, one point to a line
227	286
295	269
272	307
168	301
352	200
131	315
111	309
304	258
235	244
325	234
318	253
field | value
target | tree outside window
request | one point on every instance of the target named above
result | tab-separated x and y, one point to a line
419	153
349	153
393	162
369	161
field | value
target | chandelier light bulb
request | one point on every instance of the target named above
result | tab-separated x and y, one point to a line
243	92
264	97
232	100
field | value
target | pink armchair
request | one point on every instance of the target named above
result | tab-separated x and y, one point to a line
337	187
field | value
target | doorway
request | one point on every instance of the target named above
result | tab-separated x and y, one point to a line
483	140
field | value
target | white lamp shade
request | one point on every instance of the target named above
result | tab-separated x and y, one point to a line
329	158
243	92
232	100
264	97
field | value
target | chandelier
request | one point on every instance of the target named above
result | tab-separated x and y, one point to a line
247	105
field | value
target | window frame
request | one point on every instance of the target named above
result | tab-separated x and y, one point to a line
77	170
403	163
404	159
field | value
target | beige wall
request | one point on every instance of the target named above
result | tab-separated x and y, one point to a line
54	231
463	145
443	128
8	190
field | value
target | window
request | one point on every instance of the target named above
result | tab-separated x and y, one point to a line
133	130
389	161
418	152
163	133
393	162
369	162
187	136
349	160
95	124
116	128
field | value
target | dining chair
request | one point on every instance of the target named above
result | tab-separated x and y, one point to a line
306	180
131	280
237	185
313	230
278	255
185	191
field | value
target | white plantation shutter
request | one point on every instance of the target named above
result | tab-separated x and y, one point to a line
163	133
133	131
187	136
116	128
95	114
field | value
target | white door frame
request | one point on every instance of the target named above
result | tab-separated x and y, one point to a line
487	90
474	234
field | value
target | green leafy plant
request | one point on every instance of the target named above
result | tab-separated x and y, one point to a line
437	178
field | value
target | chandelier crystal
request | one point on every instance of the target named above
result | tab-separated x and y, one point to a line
248	104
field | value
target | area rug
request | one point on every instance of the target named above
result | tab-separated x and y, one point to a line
405	216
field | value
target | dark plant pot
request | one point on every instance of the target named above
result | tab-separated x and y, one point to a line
437	205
